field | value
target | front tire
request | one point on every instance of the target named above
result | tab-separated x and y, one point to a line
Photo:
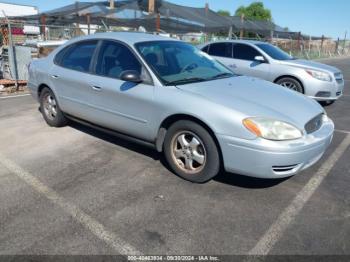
291	84
50	110
327	103
191	152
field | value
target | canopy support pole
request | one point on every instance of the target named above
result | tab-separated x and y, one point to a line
88	21
241	35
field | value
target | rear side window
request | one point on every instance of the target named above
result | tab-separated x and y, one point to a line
221	49
245	52
78	57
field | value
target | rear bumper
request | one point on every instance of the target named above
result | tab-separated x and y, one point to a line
274	159
33	90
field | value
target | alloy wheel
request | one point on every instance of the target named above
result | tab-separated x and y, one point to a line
50	106
188	152
290	85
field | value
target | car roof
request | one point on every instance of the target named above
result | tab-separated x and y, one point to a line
127	37
252	42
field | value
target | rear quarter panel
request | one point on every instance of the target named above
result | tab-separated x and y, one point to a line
39	72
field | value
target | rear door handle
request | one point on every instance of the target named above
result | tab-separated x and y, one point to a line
96	88
55	76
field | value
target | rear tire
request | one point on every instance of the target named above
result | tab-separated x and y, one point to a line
291	84
50	109
191	152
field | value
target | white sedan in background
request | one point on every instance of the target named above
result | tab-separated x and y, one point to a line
263	60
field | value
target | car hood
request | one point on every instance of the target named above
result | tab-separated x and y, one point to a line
310	65
253	97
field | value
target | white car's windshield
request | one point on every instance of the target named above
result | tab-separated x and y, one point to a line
177	63
275	52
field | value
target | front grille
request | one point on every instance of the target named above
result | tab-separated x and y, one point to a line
323	94
314	124
339	78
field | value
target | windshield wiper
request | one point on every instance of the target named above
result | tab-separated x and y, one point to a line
185	81
222	75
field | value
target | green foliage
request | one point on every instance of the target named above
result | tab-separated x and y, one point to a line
255	11
224	13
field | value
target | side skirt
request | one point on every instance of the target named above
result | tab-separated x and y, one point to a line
112	132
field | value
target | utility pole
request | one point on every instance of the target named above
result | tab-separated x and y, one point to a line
346	32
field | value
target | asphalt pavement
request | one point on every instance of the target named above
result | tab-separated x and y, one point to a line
75	190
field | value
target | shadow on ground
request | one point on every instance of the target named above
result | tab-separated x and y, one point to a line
223	177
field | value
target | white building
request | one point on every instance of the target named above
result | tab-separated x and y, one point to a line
17	10
9	10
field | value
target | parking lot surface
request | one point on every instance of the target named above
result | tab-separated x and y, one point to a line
75	190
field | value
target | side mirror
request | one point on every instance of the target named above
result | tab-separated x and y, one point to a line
260	59
131	76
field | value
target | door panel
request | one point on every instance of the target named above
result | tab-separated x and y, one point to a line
73	91
123	106
70	78
245	63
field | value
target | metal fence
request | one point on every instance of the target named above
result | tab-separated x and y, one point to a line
307	48
43	39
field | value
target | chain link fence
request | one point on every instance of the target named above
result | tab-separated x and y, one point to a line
21	42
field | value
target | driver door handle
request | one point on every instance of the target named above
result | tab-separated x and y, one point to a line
96	88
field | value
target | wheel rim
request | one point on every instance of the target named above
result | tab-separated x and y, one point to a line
50	106
291	85
188	152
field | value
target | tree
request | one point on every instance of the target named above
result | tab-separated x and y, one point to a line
255	11
224	13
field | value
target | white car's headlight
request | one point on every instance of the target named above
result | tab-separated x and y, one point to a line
272	129
323	76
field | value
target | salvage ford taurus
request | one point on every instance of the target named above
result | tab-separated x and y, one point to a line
170	94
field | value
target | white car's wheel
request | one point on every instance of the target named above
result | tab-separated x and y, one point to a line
291	83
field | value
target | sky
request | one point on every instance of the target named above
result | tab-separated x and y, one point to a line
314	17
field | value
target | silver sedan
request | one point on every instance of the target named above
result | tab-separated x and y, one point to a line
263	60
170	95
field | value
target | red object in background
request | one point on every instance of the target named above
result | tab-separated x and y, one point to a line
17	31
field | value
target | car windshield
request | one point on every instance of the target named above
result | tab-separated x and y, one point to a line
178	63
275	52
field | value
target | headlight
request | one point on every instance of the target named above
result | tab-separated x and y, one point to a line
323	76
325	117
272	129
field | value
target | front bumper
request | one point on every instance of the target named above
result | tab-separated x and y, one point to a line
322	90
274	159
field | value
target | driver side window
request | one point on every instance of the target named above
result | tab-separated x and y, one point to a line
114	58
245	52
